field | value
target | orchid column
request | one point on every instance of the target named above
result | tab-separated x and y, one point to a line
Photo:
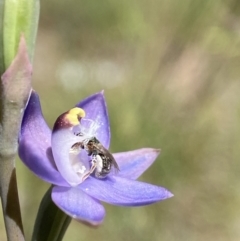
18	27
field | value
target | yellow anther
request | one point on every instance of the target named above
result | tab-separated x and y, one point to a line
74	115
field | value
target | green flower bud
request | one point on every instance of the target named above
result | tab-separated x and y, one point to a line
20	17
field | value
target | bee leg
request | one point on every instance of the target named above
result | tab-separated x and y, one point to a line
93	167
94	164
86	176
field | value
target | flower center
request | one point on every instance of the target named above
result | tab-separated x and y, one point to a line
73	165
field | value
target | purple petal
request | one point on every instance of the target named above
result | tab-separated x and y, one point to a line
71	163
78	205
34	144
96	110
133	163
124	192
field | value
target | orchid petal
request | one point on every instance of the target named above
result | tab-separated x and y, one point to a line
124	192
35	144
133	163
96	110
78	205
67	151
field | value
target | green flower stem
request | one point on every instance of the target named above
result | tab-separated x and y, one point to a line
51	223
18	24
10	201
20	17
1	37
16	87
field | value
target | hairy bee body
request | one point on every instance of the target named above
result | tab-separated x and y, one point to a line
102	159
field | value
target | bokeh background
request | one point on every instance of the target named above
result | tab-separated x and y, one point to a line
171	74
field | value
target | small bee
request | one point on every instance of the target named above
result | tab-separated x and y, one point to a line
102	159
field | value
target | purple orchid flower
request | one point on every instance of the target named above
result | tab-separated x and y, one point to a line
52	156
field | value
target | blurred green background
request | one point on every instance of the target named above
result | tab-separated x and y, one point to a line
171	74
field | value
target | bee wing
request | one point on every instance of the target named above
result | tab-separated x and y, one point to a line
114	162
105	152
